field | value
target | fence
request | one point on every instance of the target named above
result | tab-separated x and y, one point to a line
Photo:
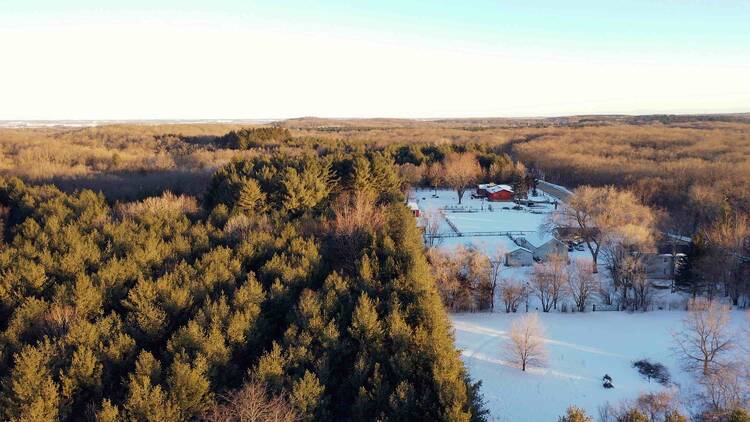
457	233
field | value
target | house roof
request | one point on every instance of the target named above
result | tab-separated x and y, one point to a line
413	206
485	185
525	241
553	240
520	249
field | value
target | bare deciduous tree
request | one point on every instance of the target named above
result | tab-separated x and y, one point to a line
722	390
729	241
251	403
526	344
653	406
460	171
600	214
433	220
356	216
512	293
548	281
705	337
462	277
582	283
496	270
625	250
434	175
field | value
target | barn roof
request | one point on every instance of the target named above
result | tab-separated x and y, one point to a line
413	206
498	188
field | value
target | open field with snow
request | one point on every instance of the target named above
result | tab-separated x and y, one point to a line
582	349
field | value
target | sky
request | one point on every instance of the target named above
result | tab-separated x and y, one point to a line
235	59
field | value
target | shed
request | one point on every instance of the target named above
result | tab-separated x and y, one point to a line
549	248
414	208
520	257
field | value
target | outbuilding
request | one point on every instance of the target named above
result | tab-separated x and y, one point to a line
550	248
520	257
414	208
524	243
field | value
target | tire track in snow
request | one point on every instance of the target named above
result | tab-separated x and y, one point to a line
475	354
477	329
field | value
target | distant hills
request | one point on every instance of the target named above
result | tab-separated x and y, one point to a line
375	123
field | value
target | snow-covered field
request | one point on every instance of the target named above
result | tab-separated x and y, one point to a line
582	347
487	217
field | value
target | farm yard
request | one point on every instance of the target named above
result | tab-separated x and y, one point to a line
484	224
582	347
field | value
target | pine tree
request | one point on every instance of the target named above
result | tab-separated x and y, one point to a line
146	399
250	197
362	179
108	412
189	388
32	394
82	382
366	327
306	395
88	299
270	368
386	180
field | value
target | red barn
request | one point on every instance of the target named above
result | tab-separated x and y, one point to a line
500	193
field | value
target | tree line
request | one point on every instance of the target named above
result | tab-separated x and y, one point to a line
300	285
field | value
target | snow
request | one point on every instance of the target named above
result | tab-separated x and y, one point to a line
481	219
582	347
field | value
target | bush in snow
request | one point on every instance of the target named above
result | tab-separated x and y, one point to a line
653	370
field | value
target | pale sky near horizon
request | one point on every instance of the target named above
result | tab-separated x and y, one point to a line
190	59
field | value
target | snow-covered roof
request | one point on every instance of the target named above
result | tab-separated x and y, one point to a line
677	237
498	188
554	240
413	206
520	249
522	240
485	185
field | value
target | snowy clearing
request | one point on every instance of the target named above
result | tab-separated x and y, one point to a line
583	347
486	216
